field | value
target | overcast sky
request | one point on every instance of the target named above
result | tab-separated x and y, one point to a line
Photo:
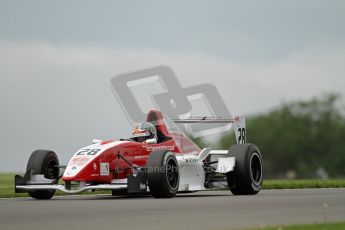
57	58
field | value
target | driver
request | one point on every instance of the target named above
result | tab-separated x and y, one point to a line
144	131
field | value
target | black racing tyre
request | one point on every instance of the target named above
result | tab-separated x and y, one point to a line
44	162
163	174
248	172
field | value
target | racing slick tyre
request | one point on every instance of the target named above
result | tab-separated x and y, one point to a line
44	162
248	174
162	174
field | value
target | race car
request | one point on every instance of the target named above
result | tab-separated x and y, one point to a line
158	159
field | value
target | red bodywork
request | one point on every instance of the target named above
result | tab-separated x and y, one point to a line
135	153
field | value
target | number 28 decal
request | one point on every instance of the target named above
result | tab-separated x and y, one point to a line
242	136
88	152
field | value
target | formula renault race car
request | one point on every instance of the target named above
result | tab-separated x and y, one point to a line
158	159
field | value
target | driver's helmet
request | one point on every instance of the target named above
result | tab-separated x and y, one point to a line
143	131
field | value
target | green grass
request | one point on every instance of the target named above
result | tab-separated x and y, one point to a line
308	183
326	226
7	185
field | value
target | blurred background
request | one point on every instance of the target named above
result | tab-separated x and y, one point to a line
281	63
299	139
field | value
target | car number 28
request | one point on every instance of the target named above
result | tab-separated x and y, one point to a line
89	152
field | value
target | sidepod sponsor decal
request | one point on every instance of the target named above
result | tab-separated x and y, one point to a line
163	147
104	169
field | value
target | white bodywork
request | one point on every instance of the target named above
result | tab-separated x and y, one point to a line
192	173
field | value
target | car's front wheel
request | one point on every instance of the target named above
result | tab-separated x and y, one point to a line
163	174
44	162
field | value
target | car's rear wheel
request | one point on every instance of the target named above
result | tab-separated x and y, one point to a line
44	162
162	174
247	177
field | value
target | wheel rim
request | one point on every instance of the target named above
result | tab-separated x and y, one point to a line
256	168
172	173
51	171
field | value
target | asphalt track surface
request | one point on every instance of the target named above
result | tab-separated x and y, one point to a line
201	210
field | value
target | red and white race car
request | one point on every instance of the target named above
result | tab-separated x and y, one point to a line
158	159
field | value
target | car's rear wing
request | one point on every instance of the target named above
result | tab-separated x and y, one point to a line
238	124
